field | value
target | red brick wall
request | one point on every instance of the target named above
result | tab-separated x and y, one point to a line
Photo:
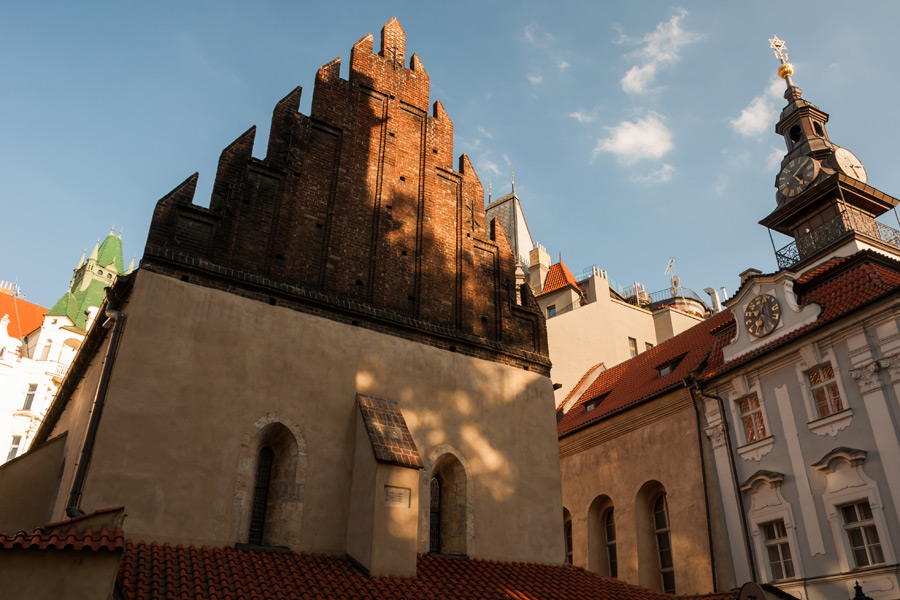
359	201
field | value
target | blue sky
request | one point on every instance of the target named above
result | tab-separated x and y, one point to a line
638	131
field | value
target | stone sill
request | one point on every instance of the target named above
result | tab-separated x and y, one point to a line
832	424
756	450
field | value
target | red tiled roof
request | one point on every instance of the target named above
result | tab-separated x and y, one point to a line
24	317
154	571
558	277
838	286
638	379
69	538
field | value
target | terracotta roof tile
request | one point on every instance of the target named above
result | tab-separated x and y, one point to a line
391	440
65	538
24	317
638	379
558	277
154	571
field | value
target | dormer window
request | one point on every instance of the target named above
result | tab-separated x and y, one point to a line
667	368
591	405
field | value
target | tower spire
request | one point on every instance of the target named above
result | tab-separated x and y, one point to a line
512	178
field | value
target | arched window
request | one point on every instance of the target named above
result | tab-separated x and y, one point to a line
447	520
46	352
567	532
609	529
602	556
664	543
260	496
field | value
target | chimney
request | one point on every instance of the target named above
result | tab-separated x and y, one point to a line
714	299
539	266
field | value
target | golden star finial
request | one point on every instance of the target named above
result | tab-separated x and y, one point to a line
780	51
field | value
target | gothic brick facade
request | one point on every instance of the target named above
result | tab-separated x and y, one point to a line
356	214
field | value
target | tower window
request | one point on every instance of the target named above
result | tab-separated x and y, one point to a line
664	543
29	396
609	526
752	418
795	134
14	447
860	527
779	550
825	390
820	131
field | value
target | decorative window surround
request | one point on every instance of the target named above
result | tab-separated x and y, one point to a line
847	483
757	450
832	424
767	505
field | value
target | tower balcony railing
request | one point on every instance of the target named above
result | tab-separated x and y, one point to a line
831	231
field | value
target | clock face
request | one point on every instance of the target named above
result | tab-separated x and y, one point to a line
762	315
850	165
797	175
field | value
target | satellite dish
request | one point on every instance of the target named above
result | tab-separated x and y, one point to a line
752	591
676	283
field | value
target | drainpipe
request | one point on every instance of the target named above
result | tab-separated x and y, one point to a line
712	555
744	527
118	318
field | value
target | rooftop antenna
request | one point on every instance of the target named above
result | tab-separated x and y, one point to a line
490	185
675	281
513	178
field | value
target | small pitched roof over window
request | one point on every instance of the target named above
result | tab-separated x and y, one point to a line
558	277
390	437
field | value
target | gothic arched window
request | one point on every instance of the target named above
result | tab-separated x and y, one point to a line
664	543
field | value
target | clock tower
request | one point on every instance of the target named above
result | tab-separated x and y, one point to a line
823	199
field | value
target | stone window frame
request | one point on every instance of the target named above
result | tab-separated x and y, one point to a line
742	386
598	543
812	357
29	397
862	526
251	444
766	506
847	483
779	542
432	461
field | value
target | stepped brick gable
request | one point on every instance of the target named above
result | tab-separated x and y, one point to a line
356	213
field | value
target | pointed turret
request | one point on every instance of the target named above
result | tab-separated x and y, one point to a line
823	199
81	261
93	255
130	266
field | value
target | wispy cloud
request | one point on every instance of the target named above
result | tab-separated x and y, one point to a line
583	117
661	175
774	158
562	65
486	164
631	141
484	132
537	38
659	48
761	113
535	79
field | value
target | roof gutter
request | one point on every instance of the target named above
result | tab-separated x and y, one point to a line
118	320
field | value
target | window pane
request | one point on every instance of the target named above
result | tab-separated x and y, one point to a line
788	568
779	527
821	402
828	372
769	531
849	514
815	377
668	582
748	428
860	556
865	511
760	425
610	527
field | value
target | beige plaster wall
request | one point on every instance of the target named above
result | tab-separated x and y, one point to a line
28	487
595	333
198	367
670	323
54	574
654	442
395	528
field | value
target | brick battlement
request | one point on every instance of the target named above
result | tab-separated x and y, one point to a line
359	202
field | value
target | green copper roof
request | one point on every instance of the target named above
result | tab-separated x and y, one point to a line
111	252
75	305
